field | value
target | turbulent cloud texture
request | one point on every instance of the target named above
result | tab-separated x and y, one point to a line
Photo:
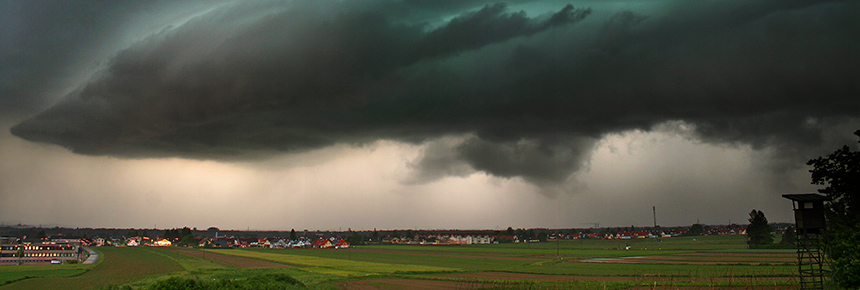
523	95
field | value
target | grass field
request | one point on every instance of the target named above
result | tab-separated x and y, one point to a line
10	274
703	262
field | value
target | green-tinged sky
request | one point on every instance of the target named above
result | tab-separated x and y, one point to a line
418	114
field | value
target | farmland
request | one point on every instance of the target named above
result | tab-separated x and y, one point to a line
120	265
713	261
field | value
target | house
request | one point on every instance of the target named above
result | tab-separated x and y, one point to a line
280	244
221	243
300	244
481	239
215	243
99	241
322	244
264	242
341	244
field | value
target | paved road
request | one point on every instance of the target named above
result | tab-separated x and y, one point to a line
94	256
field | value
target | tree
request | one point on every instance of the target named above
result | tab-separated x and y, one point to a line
185	231
530	234
293	236
20	253
521	235
172	235
840	173
695	230
758	232
789	237
188	240
356	239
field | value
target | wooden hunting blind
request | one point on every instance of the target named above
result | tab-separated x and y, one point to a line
808	212
810	228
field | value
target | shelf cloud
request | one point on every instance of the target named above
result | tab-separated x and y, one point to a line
486	86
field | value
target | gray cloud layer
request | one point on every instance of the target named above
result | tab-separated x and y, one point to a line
532	93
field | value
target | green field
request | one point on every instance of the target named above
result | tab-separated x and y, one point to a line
722	261
10	274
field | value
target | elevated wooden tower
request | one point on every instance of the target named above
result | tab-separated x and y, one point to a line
810	227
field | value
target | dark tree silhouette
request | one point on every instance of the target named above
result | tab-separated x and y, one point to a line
188	240
758	232
695	230
840	173
20	253
789	237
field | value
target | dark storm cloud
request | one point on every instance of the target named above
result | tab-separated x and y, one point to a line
37	37
45	43
531	93
489	25
540	162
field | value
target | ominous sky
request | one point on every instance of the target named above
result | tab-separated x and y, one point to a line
418	113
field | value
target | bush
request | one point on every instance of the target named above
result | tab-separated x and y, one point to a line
175	283
264	281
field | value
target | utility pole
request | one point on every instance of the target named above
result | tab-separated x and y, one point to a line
654	209
656	233
557	254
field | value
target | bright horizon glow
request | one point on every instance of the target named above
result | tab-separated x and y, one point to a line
628	173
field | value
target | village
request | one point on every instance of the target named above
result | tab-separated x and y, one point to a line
62	248
342	242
